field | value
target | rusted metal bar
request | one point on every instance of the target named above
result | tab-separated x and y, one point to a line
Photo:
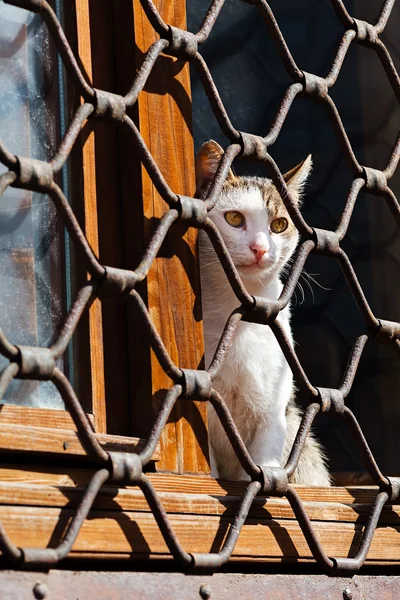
217	560
219	246
276	33
74	129
221	173
71	223
7	376
156	342
291	93
89	496
166	221
38	363
151	167
304	429
352	365
174	546
215	99
161	419
88	438
143	73
231	431
225	342
209	20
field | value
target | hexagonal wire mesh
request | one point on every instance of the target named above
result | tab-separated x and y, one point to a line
37	363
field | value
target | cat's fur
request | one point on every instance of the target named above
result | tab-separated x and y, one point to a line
255	379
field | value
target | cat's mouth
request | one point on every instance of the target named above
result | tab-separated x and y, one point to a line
256	267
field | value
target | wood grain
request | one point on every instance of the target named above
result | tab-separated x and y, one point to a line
36	504
115	533
91	229
44	417
187	485
23	493
173	291
104	35
58	441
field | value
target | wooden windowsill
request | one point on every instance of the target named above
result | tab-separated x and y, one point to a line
11	414
25	438
120	525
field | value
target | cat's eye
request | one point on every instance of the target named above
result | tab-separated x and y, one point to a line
279	225
234	218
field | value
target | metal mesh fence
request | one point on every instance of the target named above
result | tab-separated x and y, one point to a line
38	363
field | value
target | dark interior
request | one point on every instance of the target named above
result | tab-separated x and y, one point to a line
251	79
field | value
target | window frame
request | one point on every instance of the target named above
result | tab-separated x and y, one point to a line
47	430
182	450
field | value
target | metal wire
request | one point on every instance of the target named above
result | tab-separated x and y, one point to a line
36	363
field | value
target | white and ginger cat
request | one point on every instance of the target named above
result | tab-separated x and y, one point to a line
255	379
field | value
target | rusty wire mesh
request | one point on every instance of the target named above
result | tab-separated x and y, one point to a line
37	363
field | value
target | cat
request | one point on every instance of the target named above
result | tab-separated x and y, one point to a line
255	379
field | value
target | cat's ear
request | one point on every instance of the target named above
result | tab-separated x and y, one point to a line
207	161
297	177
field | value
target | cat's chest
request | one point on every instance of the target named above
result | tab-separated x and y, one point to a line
251	344
254	349
255	368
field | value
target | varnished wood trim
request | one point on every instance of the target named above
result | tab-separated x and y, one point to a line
44	417
24	438
34	503
187	485
173	287
119	533
175	502
91	230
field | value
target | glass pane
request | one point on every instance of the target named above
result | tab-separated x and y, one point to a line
31	235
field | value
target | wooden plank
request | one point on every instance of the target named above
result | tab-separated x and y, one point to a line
138	376
40	475
357	478
121	523
46	417
132	499
187	485
58	441
40	488
164	112
113	533
117	366
91	229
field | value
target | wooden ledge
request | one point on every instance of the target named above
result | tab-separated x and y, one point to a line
29	439
13	414
35	506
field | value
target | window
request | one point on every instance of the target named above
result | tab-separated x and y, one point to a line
42	271
132	152
325	321
32	274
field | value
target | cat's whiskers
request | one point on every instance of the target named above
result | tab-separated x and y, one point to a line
286	270
307	282
303	297
311	278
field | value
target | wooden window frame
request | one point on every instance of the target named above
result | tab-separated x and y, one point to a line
53	431
36	501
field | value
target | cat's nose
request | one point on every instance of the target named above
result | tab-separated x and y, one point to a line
258	252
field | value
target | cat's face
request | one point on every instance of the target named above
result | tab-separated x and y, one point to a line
251	216
255	226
